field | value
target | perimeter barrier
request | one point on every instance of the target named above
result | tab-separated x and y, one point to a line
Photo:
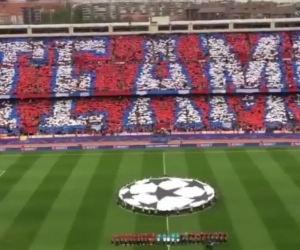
156	146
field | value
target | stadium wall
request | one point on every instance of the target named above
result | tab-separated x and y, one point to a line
159	146
188	136
174	27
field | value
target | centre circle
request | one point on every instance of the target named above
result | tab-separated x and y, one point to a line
166	196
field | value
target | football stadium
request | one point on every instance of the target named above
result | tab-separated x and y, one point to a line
149	125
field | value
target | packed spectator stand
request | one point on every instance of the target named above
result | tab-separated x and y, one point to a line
141	83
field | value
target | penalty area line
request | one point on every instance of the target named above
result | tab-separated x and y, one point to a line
165	172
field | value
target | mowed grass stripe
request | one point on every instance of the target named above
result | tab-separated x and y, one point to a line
15	173
177	165
56	226
118	220
216	218
12	204
289	160
273	214
6	162
29	220
246	220
152	167
89	225
289	196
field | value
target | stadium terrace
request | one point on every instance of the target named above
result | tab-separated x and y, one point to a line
78	71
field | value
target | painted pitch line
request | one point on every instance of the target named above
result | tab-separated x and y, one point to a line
2	172
165	172
164	163
209	151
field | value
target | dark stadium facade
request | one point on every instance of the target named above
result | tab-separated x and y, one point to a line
36	12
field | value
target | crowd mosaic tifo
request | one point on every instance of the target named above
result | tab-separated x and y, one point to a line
143	83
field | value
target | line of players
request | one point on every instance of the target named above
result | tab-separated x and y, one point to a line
169	239
203	238
134	239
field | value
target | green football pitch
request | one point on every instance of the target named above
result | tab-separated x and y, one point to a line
67	200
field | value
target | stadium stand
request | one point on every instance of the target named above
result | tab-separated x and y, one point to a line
142	83
194	113
206	63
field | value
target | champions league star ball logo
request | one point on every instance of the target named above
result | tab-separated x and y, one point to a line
166	194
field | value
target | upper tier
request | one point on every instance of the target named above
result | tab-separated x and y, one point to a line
155	64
